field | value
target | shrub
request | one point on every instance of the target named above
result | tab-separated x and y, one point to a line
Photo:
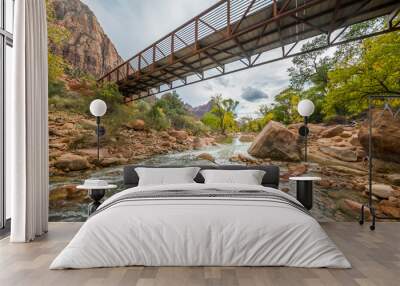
156	119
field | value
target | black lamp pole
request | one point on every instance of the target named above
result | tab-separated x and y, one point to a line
98	137
306	135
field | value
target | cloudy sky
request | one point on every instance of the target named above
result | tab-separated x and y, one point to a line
133	25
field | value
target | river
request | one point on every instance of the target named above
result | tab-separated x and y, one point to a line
324	206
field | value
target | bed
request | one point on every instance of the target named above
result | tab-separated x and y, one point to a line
198	224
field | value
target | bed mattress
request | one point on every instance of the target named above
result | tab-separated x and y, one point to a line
201	225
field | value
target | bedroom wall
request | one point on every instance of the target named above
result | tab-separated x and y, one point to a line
169	130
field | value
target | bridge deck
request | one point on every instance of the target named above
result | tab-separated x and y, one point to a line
240	31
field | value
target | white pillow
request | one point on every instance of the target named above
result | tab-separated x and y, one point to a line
166	176
247	177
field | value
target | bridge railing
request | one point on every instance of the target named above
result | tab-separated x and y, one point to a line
223	17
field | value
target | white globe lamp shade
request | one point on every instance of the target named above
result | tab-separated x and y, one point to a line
305	107
98	107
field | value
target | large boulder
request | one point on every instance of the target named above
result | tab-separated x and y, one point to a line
71	162
385	136
275	141
346	154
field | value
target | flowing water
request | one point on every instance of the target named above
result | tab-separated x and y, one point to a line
76	210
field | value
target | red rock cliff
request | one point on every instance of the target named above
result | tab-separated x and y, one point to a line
88	47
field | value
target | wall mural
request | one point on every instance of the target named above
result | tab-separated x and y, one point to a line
168	131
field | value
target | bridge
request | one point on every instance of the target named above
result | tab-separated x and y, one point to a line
235	35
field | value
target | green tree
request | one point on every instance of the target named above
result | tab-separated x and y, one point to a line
264	109
222	114
284	109
377	72
174	109
255	124
311	67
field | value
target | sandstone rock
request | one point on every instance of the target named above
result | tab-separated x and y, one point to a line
90	124
348	170
356	186
342	153
243	158
354	140
374	198
68	192
55	132
68	125
356	207
361	153
294	171
346	134
381	190
275	141
390	211
394	179
199	143
315	129
391	202
166	144
235	158
385	136
337	139
206	156
324	142
297	170
59	146
324	183
382	166
179	134
294	127
395	202
331	132
247	138
171	139
164	135
71	162
136	124
88	48
106	162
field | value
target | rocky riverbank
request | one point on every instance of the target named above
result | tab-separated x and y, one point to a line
340	154
73	144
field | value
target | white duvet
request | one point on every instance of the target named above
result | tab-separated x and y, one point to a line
203	232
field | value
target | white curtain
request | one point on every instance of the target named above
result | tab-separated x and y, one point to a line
27	125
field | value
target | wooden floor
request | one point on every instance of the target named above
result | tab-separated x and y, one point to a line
375	257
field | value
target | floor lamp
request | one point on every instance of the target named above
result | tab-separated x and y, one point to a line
98	108
306	109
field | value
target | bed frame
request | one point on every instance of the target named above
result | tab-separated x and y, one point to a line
270	179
